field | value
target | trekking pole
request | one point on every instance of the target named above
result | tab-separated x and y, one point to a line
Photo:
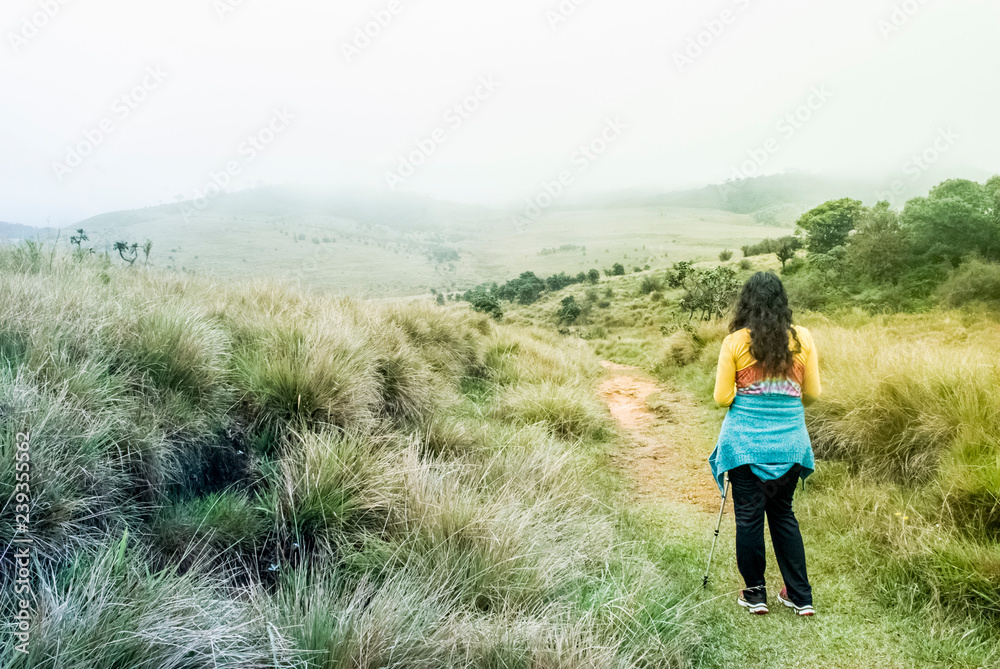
722	508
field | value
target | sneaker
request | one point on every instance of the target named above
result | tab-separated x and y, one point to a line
799	610
757	608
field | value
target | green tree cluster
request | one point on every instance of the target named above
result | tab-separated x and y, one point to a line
882	258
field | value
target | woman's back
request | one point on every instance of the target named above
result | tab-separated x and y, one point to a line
741	374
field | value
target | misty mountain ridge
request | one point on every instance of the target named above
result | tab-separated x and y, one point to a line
17	232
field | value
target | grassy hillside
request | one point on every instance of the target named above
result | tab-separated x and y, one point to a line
380	247
238	475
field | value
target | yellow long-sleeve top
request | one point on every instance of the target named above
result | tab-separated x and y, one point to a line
739	372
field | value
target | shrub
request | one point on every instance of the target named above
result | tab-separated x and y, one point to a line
785	253
650	284
486	304
678	350
974	281
709	293
793	266
725	255
569	310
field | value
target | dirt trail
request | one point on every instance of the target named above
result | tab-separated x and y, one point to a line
669	457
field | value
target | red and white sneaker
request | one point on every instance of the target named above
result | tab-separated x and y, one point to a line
757	609
799	610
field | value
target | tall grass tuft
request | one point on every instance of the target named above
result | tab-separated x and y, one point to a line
107	610
297	379
334	485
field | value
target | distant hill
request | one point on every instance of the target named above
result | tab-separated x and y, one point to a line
16	231
777	199
383	244
403	212
780	199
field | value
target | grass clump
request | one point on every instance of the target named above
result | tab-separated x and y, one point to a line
108	610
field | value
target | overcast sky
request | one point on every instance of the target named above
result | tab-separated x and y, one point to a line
114	104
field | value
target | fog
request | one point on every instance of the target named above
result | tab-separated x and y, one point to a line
115	104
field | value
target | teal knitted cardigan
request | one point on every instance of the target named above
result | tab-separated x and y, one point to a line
763	430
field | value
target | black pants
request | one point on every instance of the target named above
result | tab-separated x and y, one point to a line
752	499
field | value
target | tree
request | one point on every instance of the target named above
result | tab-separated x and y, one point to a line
880	248
440	299
487	304
681	274
146	248
79	238
569	310
785	253
559	281
771	246
958	217
132	251
710	292
594	276
618	269
830	224
525	289
529	293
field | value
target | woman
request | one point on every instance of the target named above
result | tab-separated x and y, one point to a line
768	371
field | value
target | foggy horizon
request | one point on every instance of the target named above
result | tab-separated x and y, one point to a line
113	105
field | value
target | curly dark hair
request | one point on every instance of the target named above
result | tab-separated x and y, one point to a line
763	308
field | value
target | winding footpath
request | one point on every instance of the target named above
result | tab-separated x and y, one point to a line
670	458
